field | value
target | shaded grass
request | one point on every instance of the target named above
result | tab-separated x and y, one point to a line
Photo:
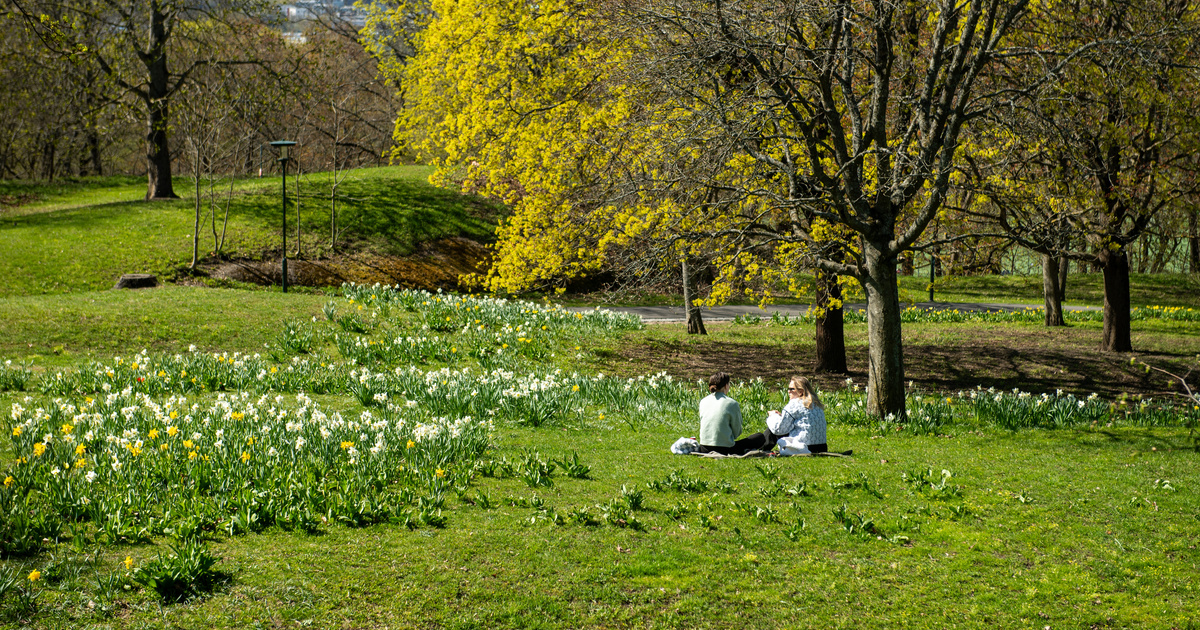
941	357
1083	290
81	237
1075	549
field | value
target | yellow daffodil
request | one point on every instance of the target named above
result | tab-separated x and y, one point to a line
9	481
67	428
245	456
440	473
79	450
16	431
153	434
410	444
172	431
188	444
35	575
39	449
191	455
128	562
80	463
173	415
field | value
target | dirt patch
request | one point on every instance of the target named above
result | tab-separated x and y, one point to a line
1031	359
438	265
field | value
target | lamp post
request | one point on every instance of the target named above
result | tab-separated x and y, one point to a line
283	145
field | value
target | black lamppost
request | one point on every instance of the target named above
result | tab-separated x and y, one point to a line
283	158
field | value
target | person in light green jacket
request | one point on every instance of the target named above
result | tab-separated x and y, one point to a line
721	423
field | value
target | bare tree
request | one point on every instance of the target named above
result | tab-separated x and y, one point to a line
843	113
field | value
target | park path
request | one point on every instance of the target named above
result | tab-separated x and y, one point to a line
664	314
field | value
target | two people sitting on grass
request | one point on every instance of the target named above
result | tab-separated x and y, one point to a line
798	430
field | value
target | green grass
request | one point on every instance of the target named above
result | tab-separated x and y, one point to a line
62	330
1069	528
82	236
1066	529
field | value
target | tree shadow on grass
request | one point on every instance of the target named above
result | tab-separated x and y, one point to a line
389	215
936	368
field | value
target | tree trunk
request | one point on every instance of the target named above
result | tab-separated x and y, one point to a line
695	322
831	338
158	152
906	264
196	225
1063	266
1194	242
1116	301
885	376
1052	291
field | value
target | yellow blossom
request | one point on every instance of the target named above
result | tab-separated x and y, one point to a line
80	463
439	472
9	481
39	449
16	431
245	456
153	434
79	450
35	575
410	444
174	414
188	444
128	562
172	431
67	428
346	445
191	455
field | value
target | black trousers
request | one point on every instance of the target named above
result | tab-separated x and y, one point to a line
764	441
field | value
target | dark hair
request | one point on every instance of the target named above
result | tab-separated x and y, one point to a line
717	381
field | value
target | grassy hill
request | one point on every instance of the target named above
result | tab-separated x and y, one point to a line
81	235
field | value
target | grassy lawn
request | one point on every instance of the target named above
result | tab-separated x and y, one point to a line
63	330
1065	529
81	236
1095	525
964	524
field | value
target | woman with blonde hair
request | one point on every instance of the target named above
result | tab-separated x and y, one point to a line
801	425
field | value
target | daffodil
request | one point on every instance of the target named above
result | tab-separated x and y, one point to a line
128	562
39	449
35	575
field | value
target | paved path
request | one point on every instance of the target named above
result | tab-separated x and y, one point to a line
726	313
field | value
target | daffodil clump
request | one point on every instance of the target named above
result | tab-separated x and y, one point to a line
127	466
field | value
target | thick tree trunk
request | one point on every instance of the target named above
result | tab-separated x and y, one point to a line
906	264
1052	291
1116	301
885	376
695	322
158	154
158	151
830	333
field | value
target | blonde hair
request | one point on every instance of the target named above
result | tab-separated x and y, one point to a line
810	392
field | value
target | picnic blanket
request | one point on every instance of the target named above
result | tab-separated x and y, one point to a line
755	454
